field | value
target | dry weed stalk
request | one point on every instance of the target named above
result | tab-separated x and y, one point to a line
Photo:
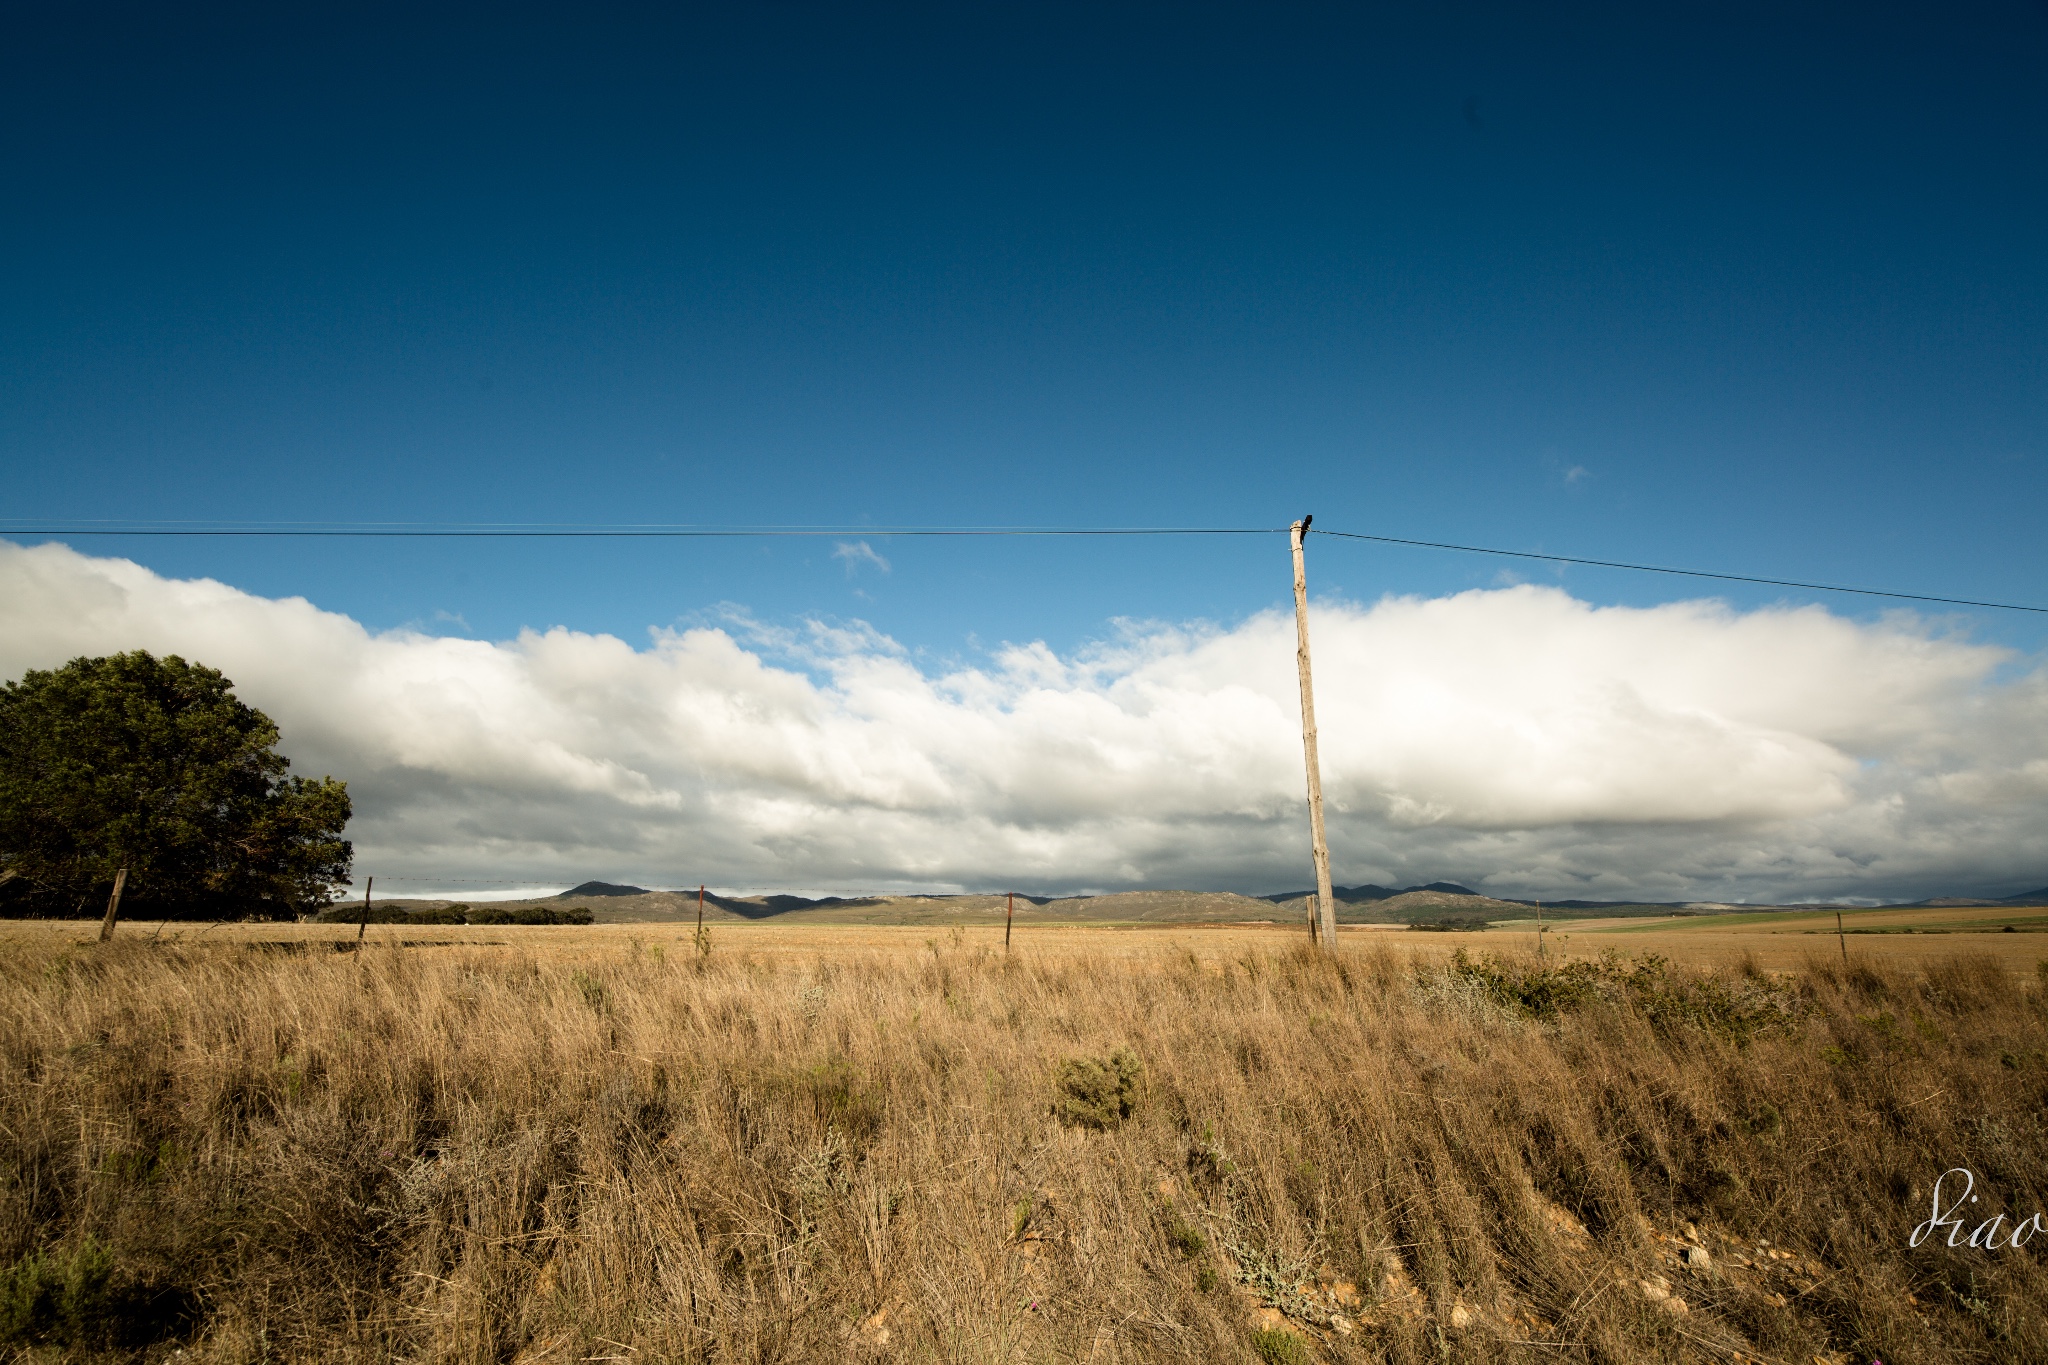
476	1154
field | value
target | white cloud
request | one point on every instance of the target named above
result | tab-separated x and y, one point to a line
1516	738
856	554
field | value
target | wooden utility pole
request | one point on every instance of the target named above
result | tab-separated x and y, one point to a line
1009	918
1323	919
1539	928
364	927
113	905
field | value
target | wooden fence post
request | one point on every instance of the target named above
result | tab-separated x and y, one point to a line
113	906
1009	918
364	927
1323	911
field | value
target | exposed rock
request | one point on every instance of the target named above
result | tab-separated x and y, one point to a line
1561	1219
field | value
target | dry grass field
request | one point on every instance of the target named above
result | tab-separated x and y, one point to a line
1908	936
856	1143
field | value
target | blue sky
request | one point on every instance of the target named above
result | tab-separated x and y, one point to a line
1758	290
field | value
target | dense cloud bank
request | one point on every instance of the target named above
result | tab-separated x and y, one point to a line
1518	740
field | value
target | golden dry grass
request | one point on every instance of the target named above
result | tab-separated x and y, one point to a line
570	1145
1778	942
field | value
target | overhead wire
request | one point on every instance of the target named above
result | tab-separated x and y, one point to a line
1687	573
544	530
515	530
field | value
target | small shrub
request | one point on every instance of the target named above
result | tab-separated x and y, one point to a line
1533	991
1208	1163
145	1167
1186	1238
835	1097
1098	1093
1278	1346
1708	1003
488	914
60	1297
593	990
1669	999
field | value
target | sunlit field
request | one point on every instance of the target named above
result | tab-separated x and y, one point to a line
1779	941
507	1143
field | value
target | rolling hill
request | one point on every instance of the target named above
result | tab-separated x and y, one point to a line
616	903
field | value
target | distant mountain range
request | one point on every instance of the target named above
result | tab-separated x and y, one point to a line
755	905
2024	898
1371	902
746	907
1355	895
1430	903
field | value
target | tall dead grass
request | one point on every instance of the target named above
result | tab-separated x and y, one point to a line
477	1154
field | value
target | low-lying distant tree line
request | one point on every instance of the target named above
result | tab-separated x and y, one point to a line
1452	923
155	766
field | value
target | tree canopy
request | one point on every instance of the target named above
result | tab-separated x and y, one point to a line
156	766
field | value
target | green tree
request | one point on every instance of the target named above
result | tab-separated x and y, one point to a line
156	766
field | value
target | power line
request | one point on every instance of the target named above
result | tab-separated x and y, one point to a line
1686	573
659	531
430	530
